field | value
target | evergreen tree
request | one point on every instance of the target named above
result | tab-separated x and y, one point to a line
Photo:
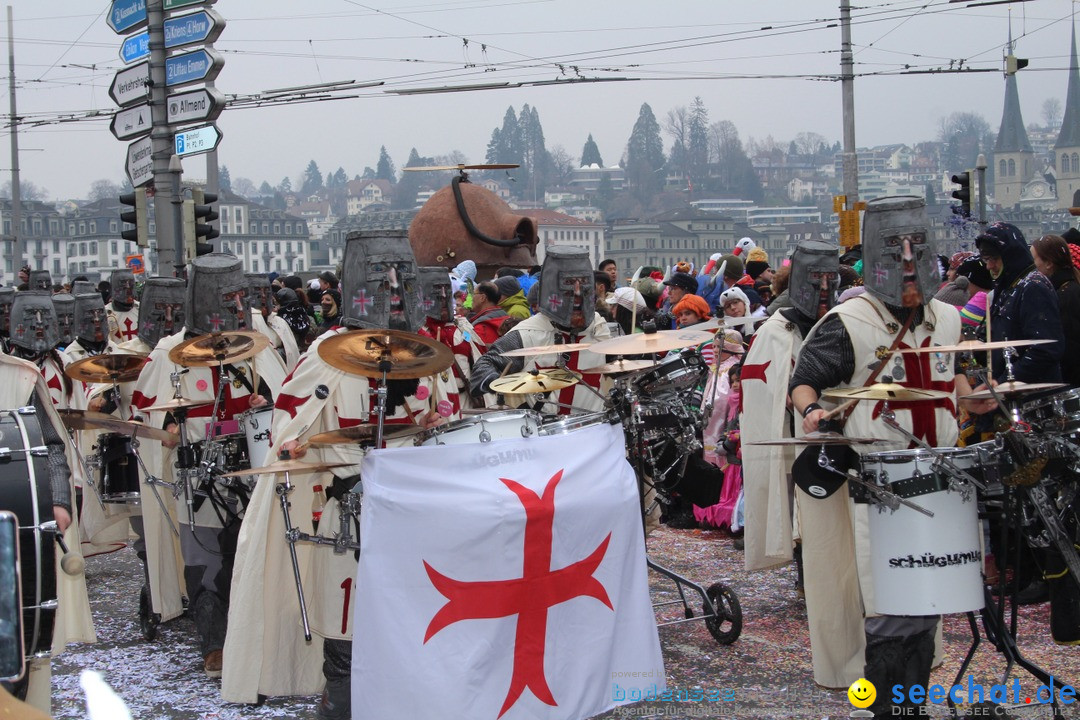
224	179
405	190
313	180
697	149
645	156
735	172
494	146
590	154
266	190
604	193
385	168
286	185
536	161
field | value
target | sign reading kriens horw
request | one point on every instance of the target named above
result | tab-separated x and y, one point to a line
202	26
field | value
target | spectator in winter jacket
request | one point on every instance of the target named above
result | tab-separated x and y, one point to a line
511	298
1052	258
487	317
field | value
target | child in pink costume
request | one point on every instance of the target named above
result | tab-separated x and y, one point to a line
725	512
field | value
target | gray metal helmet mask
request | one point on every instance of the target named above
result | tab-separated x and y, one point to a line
7	296
40	280
567	290
379	286
436	296
161	308
64	305
83	286
812	260
123	288
33	322
887	222
215	295
91	323
259	292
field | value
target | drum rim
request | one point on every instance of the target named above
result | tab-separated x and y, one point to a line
574	421
919	453
466	422
1049	399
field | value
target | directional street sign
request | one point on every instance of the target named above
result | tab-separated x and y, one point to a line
197	140
203	26
131	85
200	65
127	15
174	4
197	106
140	162
131	122
135	47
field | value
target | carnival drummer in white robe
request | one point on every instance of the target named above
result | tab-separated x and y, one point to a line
844	349
123	308
567	299
215	301
266	321
265	652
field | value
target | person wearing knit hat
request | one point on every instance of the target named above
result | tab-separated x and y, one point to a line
757	264
650	289
511	298
954	292
734	269
690	311
685	266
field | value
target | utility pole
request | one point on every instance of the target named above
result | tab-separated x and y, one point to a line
167	217
980	169
847	87
19	245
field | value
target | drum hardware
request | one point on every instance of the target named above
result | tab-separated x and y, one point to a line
956	473
505	425
86	465
883	498
70	563
154	482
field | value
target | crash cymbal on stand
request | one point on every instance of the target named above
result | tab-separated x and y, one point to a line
885	391
547	349
407	355
622	366
976	346
87	420
645	343
1013	388
287	466
523	383
176	404
219	347
819	438
363	434
106	368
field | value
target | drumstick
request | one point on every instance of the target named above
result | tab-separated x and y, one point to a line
830	414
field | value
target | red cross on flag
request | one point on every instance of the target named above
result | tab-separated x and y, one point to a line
503	580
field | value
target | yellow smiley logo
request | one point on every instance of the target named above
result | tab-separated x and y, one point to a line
862	693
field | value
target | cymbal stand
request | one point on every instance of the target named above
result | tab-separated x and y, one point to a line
153	482
956	473
291	536
561	364
385	366
86	465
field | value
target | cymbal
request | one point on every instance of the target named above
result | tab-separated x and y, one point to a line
287	466
363	434
729	322
819	438
87	420
176	404
546	349
106	368
622	366
490	166
1012	389
643	343
408	355
885	391
523	383
219	347
976	346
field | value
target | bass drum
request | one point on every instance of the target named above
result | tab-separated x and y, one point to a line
498	425
26	491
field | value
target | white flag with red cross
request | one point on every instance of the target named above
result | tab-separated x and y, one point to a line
503	580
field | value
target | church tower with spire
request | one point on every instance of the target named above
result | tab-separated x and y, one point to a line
1014	159
1067	147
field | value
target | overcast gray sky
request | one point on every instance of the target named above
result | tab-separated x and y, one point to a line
757	64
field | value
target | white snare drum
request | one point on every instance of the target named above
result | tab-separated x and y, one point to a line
569	424
256	427
498	425
922	565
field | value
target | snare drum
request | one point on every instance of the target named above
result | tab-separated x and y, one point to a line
569	424
256	429
1057	413
25	490
119	468
675	373
922	565
663	417
499	425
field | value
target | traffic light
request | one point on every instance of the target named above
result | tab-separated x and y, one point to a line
964	193
137	217
198	233
1013	63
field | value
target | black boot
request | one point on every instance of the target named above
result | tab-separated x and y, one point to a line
800	587
336	701
898	660
1064	600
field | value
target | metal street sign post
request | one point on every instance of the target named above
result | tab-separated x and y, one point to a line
176	4
197	140
131	122
135	47
127	15
203	26
140	163
131	85
198	66
203	105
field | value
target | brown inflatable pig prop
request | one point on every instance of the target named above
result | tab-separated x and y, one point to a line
469	222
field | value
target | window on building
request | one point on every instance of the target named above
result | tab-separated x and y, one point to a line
56	246
255	228
93	227
224	246
115	249
1064	163
82	248
279	265
277	247
82	228
93	247
254	266
56	267
1012	168
266	228
277	228
1001	168
1076	163
114	226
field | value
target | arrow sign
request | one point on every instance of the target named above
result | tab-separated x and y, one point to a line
197	140
175	4
200	65
202	26
125	15
140	162
135	47
132	122
131	85
198	106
